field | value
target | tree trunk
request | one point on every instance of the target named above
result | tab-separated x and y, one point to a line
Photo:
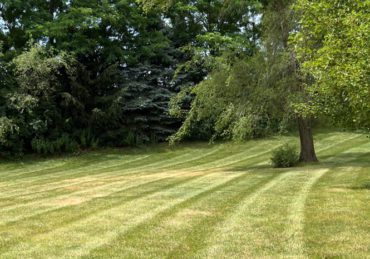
307	145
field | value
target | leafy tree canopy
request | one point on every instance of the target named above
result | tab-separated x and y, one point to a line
332	42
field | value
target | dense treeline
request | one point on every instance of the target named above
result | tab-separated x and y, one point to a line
86	73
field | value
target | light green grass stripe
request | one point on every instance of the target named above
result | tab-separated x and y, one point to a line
221	238
294	233
41	205
72	213
22	166
108	188
103	177
160	229
118	167
139	169
63	174
236	158
226	232
73	167
40	165
64	183
111	204
112	222
293	195
77	195
337	213
270	146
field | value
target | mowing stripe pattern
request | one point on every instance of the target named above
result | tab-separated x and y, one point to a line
192	201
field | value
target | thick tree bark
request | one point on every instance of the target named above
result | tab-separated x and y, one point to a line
308	153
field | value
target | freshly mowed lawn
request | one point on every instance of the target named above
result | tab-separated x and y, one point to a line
193	201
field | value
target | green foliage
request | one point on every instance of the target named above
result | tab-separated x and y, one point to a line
246	94
332	43
87	139
37	105
285	156
63	144
7	129
243	129
246	99
107	72
155	4
107	67
38	71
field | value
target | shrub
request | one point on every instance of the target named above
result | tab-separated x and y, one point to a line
87	139
285	156
63	144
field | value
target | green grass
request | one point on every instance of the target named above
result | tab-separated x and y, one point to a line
192	201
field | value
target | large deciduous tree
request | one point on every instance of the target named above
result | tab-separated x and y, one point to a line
251	96
279	22
332	42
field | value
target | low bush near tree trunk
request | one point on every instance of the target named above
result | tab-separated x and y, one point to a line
285	156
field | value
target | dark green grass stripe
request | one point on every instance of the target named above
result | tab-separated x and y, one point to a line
84	159
227	153
78	164
137	169
33	161
79	212
344	145
327	211
182	197
197	235
118	168
12	193
11	167
271	148
120	171
158	159
150	167
142	230
84	210
47	195
51	177
251	162
64	192
46	219
72	167
69	166
27	204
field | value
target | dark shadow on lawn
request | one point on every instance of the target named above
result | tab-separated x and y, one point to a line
354	159
357	159
363	186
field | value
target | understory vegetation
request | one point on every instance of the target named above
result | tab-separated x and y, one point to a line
192	201
84	74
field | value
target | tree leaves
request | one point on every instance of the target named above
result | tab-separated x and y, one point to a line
333	45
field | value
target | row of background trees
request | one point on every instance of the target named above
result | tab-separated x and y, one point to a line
85	73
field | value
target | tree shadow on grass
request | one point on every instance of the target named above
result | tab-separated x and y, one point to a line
353	159
363	186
